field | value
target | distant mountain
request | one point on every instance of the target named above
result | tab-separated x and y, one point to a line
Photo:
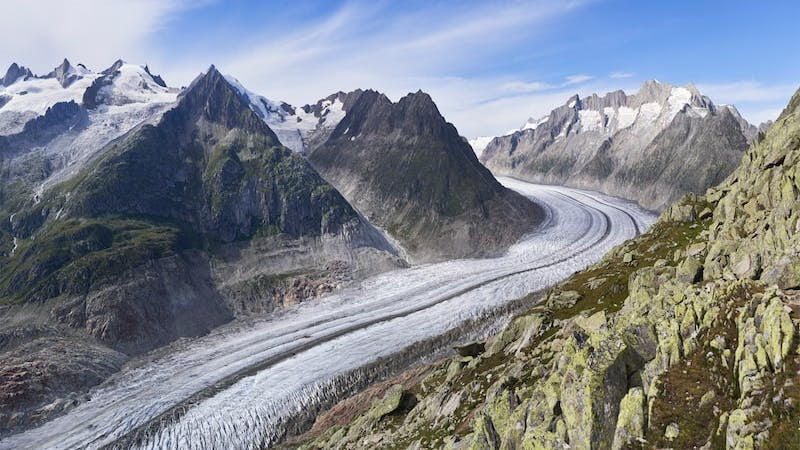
651	147
411	173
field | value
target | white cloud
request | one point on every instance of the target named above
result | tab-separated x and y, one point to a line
39	34
747	91
362	46
617	75
756	101
577	79
524	86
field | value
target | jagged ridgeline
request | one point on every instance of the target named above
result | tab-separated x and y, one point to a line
209	172
410	172
651	147
684	337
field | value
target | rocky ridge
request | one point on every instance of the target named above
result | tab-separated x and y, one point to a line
684	337
651	147
409	171
406	169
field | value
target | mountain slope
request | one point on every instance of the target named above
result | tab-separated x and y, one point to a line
185	221
684	337
410	172
651	147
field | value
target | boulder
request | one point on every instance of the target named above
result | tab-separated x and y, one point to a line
690	271
472	349
631	420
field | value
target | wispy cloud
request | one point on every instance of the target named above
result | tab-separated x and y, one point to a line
525	86
577	79
747	91
96	33
618	75
360	45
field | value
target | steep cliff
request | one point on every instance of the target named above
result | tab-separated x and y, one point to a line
410	172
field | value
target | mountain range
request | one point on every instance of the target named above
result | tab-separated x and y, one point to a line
403	166
650	147
133	214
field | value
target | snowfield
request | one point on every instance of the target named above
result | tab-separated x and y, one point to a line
238	386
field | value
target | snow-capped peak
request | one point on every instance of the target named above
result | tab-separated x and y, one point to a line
653	107
112	102
14	74
66	74
292	125
124	83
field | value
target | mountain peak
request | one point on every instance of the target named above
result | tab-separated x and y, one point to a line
573	101
114	67
65	74
691	87
419	101
14	73
157	78
216	99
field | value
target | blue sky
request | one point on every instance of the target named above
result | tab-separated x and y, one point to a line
489	65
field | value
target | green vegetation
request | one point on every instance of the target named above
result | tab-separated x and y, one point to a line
76	254
209	173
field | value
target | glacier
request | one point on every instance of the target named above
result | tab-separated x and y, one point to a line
243	384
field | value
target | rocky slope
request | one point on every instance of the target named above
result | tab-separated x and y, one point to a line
685	337
193	215
651	147
406	169
410	172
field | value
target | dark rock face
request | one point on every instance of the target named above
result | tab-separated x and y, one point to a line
65	74
214	165
14	73
38	379
157	78
651	147
410	172
57	119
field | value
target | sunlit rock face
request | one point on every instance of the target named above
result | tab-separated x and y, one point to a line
651	147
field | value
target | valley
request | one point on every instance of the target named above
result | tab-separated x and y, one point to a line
254	381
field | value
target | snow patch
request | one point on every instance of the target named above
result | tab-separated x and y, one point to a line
625	117
134	85
590	119
532	124
30	98
649	112
479	144
678	98
291	125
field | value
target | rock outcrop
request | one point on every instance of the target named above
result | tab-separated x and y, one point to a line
651	147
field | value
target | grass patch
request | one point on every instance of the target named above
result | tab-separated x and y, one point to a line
76	254
685	384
